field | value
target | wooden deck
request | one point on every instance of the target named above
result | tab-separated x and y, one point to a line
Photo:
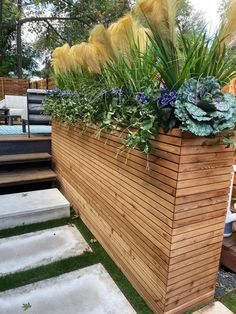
18	138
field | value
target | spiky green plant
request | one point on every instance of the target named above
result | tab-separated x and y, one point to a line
181	57
136	75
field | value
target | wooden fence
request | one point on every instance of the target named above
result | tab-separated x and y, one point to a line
11	86
163	226
43	84
50	84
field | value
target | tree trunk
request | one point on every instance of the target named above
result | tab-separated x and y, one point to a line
1	6
19	51
19	41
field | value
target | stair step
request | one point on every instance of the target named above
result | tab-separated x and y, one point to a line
23	145
26	176
88	290
23	158
31	250
32	207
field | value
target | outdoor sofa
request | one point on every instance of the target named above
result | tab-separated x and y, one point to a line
17	105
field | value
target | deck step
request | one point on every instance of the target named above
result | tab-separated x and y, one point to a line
26	176
24	158
23	145
32	207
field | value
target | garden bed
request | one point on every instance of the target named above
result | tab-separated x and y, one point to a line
163	226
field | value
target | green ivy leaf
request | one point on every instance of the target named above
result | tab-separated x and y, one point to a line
26	306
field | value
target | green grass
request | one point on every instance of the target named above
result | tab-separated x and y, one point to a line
229	301
98	255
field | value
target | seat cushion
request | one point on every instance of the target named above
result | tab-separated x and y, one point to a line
2	103
36	109
19	112
39	118
16	102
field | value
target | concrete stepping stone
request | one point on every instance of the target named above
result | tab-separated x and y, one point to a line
32	207
34	249
90	290
215	308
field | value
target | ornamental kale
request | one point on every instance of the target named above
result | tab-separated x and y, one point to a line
203	109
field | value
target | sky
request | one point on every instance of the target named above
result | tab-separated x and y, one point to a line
209	8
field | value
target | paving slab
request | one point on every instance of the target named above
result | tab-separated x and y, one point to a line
90	290
32	207
34	249
215	308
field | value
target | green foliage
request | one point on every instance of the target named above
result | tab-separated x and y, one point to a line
9	66
136	114
9	12
26	306
194	56
203	109
124	97
189	19
133	114
134	73
229	300
87	13
127	96
8	57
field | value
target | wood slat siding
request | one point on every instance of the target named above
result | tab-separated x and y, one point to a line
163	226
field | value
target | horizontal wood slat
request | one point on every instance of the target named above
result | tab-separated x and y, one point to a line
161	221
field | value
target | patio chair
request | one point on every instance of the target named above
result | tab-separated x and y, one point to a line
35	109
16	105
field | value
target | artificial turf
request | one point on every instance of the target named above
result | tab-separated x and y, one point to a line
98	255
229	300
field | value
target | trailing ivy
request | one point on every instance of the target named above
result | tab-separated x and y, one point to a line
112	109
199	107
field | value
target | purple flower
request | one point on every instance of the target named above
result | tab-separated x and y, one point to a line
163	88
142	98
60	94
53	92
168	99
118	92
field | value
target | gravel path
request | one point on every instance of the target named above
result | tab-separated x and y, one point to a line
226	282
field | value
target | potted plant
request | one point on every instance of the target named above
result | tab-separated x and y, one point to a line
156	194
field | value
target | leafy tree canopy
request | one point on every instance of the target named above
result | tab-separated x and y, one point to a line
56	22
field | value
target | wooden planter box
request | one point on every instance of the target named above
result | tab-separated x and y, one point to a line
164	226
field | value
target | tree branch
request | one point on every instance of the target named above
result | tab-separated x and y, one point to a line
55	31
13	24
